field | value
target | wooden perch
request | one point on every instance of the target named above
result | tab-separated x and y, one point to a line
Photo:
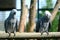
30	35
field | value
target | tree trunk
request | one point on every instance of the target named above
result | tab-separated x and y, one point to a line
54	12
23	16
32	15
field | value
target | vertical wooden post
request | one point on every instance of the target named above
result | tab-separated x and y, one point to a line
32	15
24	12
21	23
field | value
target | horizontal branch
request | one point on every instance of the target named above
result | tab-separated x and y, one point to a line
30	35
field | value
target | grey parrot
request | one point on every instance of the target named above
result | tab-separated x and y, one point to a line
43	24
11	23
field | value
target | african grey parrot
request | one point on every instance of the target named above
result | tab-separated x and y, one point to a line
43	24
11	23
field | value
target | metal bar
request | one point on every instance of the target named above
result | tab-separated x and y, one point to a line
38	10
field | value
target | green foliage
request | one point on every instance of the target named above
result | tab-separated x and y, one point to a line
54	26
49	3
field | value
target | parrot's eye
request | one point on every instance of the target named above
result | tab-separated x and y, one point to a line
14	13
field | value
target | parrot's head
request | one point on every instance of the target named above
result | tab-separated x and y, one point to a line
48	14
13	13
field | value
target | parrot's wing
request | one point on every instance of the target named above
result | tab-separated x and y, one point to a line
6	25
17	27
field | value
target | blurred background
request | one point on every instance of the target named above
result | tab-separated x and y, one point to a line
41	6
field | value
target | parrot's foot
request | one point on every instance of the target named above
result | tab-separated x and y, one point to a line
9	34
14	34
